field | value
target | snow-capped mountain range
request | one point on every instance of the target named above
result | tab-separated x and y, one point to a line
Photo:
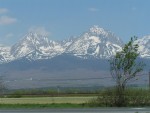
95	43
144	46
35	46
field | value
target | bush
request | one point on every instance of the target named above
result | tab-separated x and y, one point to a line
132	97
138	97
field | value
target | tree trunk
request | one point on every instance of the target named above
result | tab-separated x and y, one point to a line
120	96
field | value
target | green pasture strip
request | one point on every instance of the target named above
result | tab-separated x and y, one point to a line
62	105
48	95
46	100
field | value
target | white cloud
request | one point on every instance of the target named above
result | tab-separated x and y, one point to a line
92	9
3	10
40	31
5	20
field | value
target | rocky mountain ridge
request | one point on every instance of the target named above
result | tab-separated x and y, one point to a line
96	43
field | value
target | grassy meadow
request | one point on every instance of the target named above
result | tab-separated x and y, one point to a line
103	98
46	100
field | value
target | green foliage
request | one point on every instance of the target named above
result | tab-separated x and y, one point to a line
133	98
138	97
124	67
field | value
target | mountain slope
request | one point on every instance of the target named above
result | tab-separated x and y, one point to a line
5	55
144	46
35	46
96	43
37	62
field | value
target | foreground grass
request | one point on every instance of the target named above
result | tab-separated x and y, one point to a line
106	98
62	105
46	100
133	98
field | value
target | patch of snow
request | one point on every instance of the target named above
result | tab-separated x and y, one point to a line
95	39
96	29
97	50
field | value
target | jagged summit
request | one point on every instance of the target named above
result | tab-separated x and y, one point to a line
28	44
95	43
34	38
33	42
104	34
98	30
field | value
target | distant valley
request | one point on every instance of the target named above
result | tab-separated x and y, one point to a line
35	61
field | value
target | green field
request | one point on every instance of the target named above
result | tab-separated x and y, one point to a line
46	100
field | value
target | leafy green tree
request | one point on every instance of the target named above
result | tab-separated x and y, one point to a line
124	67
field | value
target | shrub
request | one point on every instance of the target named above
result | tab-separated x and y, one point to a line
132	97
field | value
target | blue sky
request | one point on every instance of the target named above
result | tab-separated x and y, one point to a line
60	19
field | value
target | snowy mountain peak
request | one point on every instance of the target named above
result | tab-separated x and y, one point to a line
5	55
35	43
97	30
35	34
35	37
144	46
32	34
97	43
103	35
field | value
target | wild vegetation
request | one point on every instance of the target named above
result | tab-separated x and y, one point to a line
102	98
132	98
124	67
